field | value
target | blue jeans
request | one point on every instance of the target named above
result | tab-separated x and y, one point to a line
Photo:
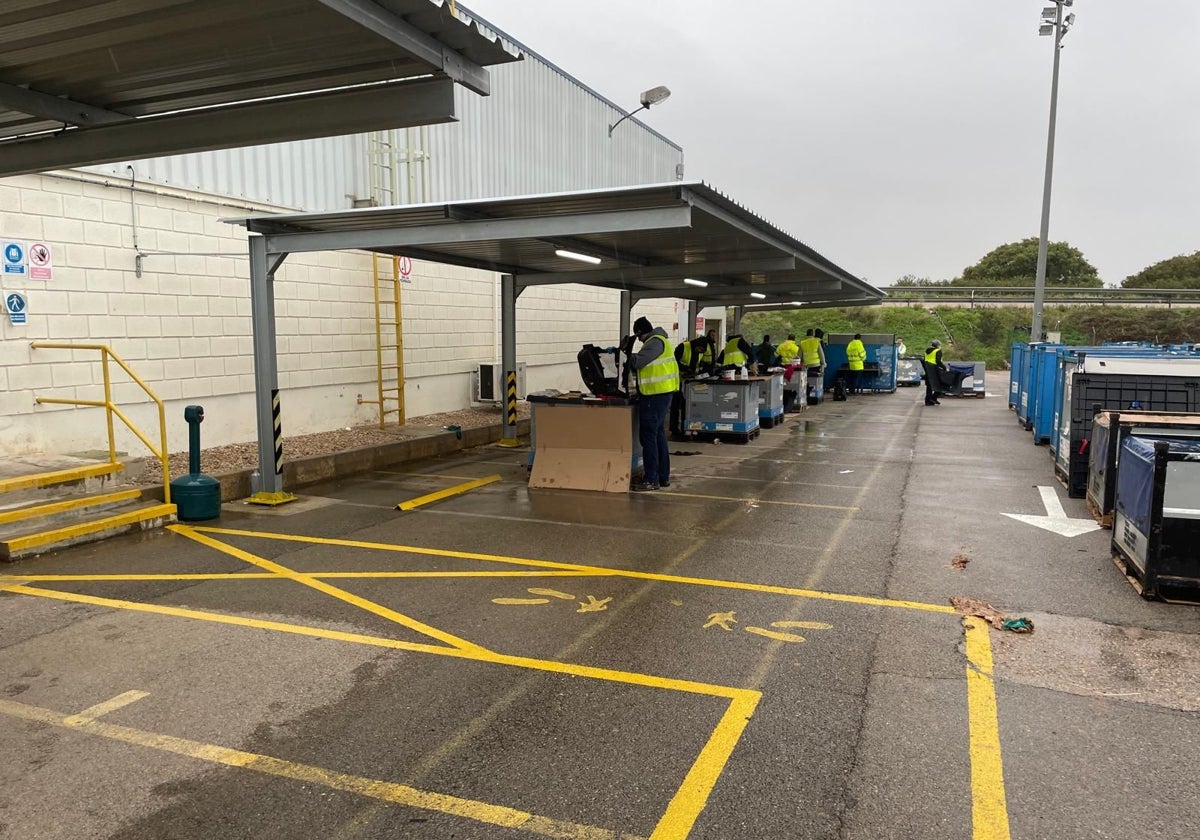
652	432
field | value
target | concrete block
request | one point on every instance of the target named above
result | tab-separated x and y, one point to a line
102	233
144	326
157	304
40	203
83	256
31	377
193	348
70	327
162	348
105	327
177	326
20	226
126	304
194	305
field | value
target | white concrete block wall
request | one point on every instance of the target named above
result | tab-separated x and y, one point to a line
184	324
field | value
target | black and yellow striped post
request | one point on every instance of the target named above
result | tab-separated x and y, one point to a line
277	427
510	409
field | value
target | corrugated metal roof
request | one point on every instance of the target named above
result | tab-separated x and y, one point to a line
89	65
647	238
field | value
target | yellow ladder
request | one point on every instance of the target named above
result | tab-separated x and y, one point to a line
389	339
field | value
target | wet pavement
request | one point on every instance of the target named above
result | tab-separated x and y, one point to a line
766	650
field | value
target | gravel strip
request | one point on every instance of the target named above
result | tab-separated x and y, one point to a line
244	456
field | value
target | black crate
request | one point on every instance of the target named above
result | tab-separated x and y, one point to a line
1109	428
1118	392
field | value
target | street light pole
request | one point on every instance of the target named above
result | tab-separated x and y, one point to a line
1039	284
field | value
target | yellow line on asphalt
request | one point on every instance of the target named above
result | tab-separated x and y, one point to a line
687	803
475	654
989	808
456	490
497	558
391	792
101	709
328	589
321	575
673	494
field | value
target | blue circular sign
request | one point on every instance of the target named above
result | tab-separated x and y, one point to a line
15	303
14	253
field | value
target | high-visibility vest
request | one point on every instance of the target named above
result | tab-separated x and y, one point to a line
788	351
706	355
856	354
811	348
685	355
660	376
931	356
734	354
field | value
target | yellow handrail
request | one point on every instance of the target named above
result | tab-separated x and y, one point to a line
110	409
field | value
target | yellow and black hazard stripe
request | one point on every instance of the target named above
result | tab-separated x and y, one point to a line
277	425
511	398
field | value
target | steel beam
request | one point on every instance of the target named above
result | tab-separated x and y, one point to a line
57	108
414	41
508	354
266	369
369	108
632	274
451	233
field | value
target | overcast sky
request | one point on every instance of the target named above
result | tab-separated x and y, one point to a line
908	136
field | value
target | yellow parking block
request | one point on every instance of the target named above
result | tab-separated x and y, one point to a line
456	490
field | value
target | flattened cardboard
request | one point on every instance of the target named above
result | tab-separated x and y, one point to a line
583	447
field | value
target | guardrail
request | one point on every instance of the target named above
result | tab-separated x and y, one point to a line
1054	294
111	409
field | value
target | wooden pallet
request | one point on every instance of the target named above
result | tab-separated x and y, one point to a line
1105	519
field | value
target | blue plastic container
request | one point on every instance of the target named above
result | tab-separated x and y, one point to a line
1016	372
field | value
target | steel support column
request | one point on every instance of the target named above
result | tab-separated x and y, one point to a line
508	357
266	375
693	310
737	320
626	305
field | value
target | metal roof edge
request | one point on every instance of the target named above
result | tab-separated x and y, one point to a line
535	54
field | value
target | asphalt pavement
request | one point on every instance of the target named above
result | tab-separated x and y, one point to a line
765	650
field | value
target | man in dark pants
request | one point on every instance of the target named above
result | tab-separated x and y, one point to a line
687	355
933	358
658	380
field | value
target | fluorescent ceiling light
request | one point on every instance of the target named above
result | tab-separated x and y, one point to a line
692	282
571	255
758	295
797	303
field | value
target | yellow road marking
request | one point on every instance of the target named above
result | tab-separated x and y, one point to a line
803	625
777	635
685	807
674	494
553	593
456	490
391	792
508	573
600	570
328	589
101	709
520	602
989	807
474	654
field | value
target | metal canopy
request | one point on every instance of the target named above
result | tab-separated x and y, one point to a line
85	82
647	238
644	240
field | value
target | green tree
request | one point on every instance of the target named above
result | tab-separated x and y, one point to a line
1015	264
1182	272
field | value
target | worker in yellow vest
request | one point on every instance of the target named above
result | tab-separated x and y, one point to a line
856	357
788	350
737	352
707	345
812	353
933	363
658	380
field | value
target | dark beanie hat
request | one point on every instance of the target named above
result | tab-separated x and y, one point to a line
642	326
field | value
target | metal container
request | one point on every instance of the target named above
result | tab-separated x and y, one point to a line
879	370
770	399
721	405
1109	430
1156	523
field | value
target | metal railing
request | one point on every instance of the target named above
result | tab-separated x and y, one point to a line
111	409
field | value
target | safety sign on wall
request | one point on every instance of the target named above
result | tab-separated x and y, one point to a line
406	267
14	302
41	266
14	259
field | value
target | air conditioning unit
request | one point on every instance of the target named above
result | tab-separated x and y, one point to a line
488	381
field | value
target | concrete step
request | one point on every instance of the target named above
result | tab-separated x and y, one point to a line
23	483
25	538
69	506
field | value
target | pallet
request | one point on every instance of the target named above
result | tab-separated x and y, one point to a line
769	422
1105	519
727	437
1190	594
